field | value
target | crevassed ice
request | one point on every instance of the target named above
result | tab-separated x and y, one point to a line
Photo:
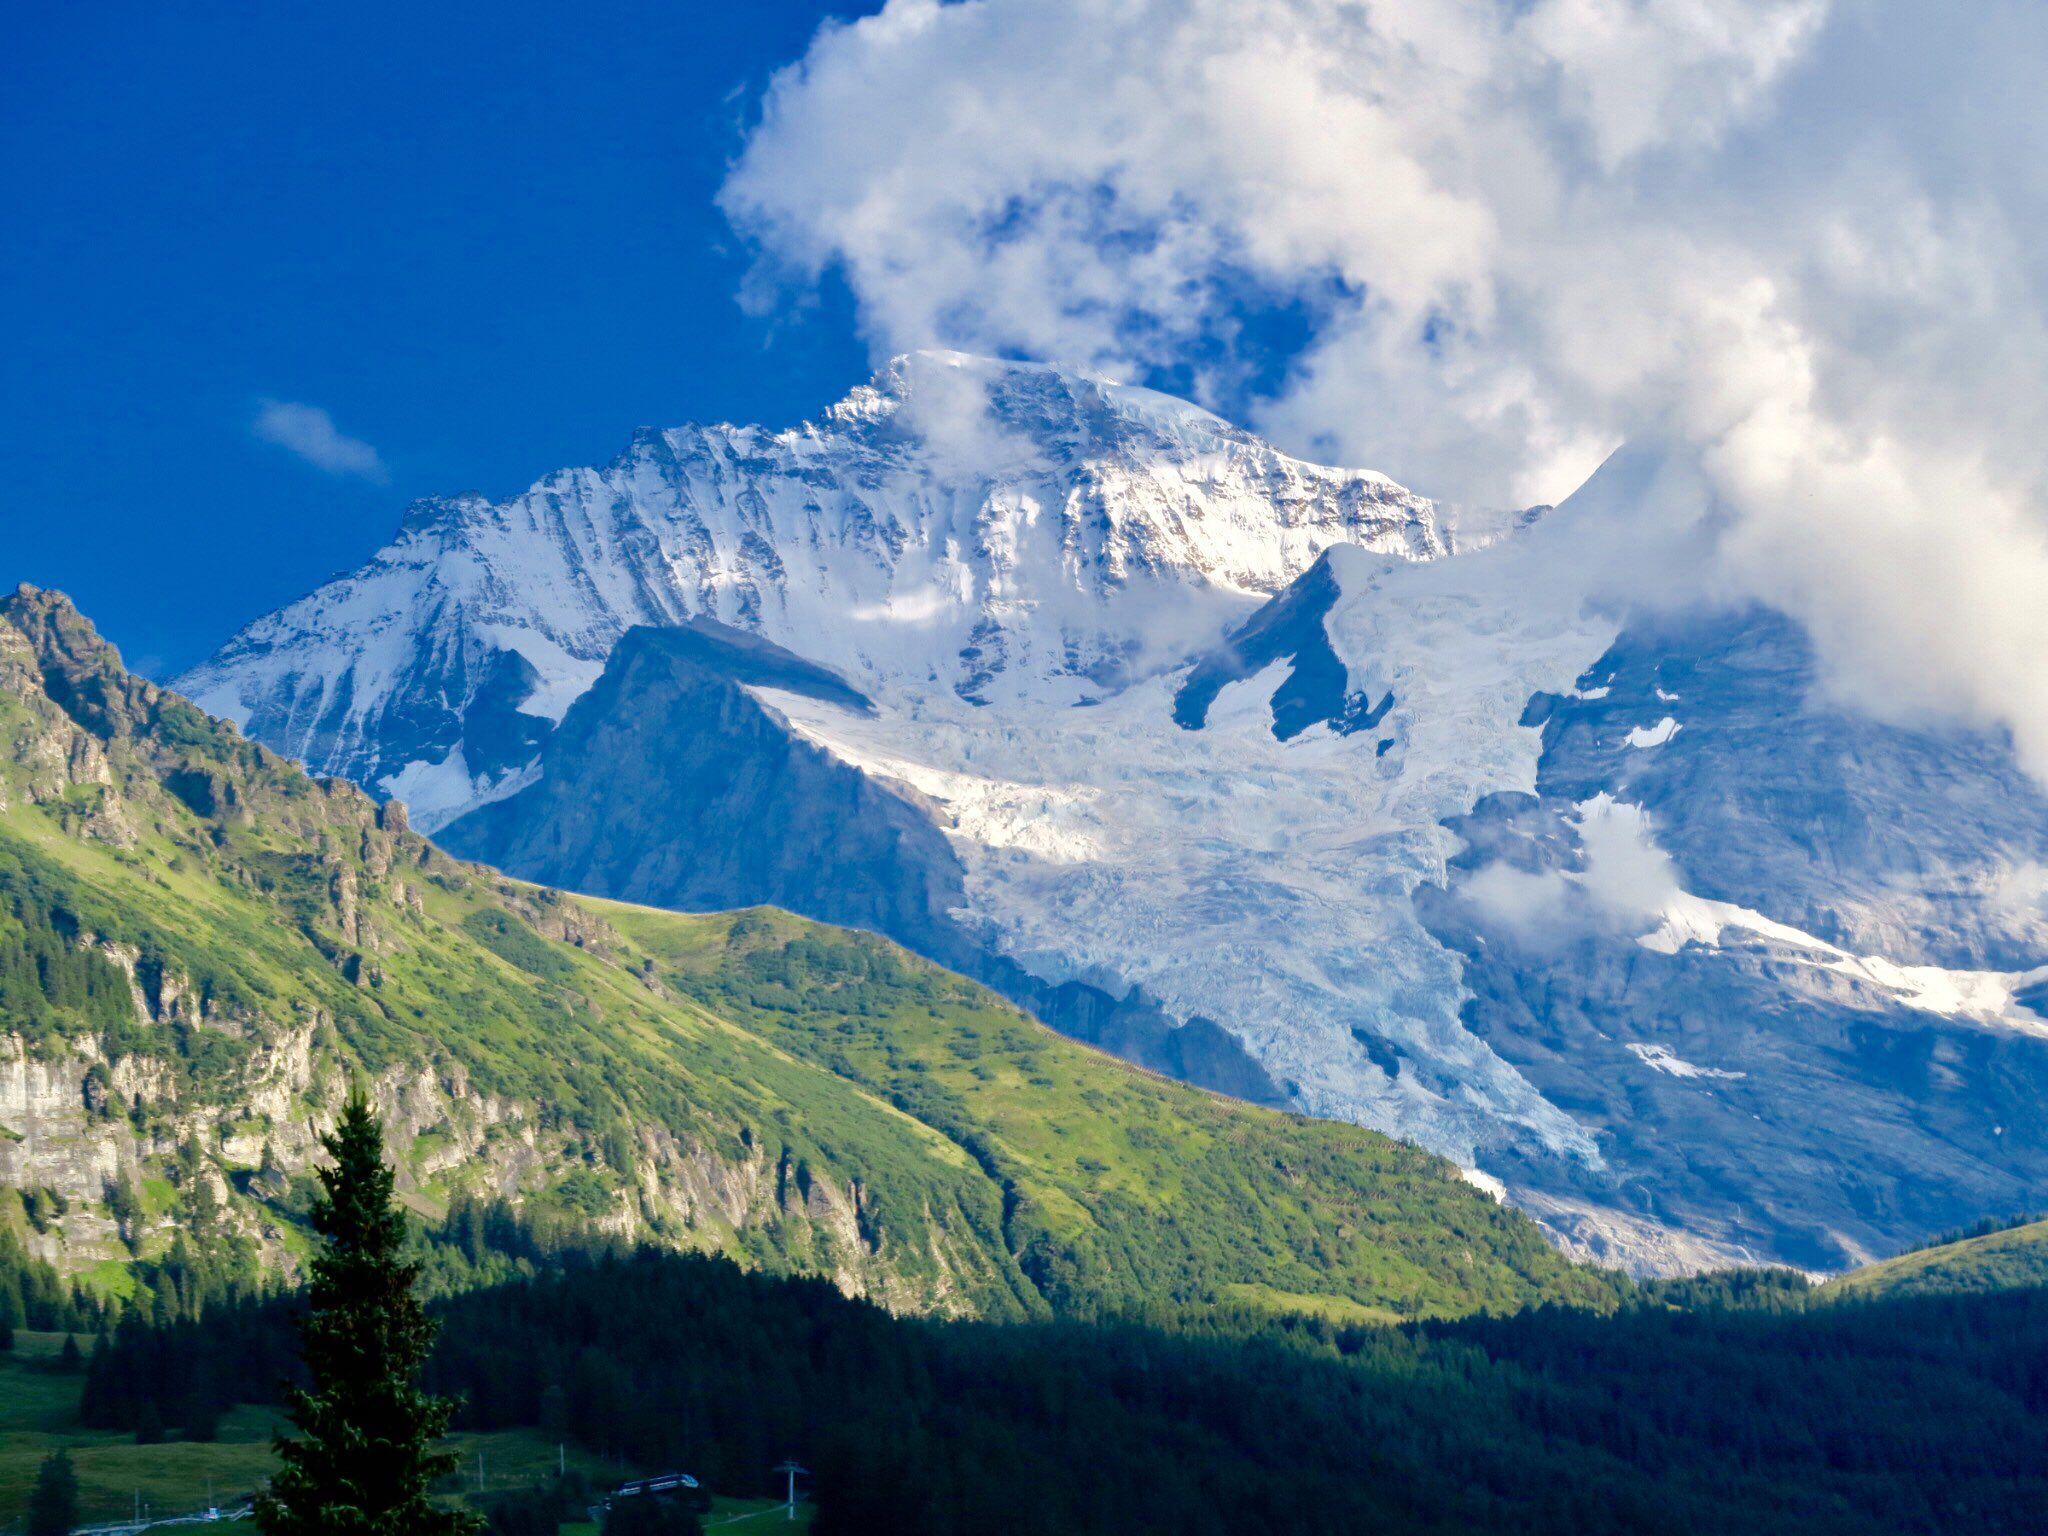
1267	885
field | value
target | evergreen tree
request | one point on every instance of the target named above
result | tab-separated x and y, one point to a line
53	1507
366	1453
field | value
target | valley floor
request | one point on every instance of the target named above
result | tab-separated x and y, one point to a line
118	1477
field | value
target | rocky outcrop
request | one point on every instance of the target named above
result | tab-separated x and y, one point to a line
77	1126
193	1095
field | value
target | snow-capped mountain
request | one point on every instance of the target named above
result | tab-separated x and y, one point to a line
991	532
1250	769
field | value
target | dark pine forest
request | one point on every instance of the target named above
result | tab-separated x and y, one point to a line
1741	1403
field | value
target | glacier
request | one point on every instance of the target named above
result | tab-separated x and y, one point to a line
1165	717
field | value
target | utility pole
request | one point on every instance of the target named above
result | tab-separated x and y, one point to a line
790	1469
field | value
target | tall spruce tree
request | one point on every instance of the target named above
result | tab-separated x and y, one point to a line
366	1453
53	1507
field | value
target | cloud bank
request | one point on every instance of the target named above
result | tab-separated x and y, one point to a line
310	432
1804	238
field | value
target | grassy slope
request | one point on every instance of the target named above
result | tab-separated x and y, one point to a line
1000	1167
1998	1261
39	1414
1107	1169
587	1040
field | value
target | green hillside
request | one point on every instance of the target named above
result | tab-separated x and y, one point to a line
2013	1258
117	1475
1106	1169
199	943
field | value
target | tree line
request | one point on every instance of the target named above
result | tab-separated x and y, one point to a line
1733	1403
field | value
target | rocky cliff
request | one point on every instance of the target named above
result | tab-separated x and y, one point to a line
200	946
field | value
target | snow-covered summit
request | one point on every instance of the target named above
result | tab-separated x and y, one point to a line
992	530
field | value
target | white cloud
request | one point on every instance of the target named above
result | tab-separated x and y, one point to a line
1629	878
945	405
309	432
1623	883
1531	905
2017	901
2020	890
1804	239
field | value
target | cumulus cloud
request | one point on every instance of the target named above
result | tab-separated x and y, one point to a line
1623	883
310	432
1803	238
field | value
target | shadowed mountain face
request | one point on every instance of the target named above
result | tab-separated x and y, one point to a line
1249	770
1317	689
1790	987
671	783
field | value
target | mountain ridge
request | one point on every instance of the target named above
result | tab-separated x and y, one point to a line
199	944
1066	568
1261	774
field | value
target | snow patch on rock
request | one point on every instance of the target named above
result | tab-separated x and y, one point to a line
1660	1058
1977	996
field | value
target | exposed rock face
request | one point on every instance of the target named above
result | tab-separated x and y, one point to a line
670	784
63	1139
230	1097
76	1132
1251	771
1771	958
1289	632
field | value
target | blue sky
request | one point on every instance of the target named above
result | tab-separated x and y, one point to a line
1475	246
482	238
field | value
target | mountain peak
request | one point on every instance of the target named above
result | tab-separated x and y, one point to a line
965	406
78	668
29	605
433	515
983	527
